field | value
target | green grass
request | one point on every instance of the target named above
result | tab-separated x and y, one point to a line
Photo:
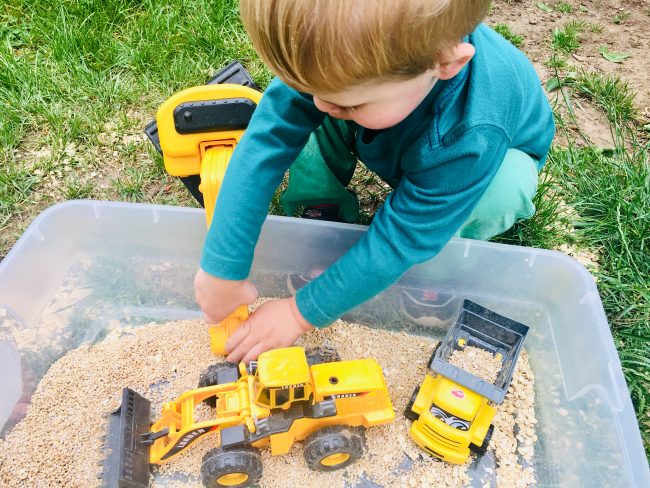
596	28
611	94
567	39
95	58
506	32
564	7
130	185
620	18
556	62
16	184
76	189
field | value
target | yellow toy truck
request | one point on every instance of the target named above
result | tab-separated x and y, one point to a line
452	410
196	131
286	396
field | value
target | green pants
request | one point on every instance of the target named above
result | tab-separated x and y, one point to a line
325	167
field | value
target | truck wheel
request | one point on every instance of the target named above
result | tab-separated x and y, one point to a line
319	355
480	451
236	466
334	447
408	411
218	374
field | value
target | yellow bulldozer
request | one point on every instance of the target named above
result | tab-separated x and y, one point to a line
288	395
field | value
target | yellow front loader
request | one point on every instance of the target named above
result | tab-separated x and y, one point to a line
196	131
284	397
288	395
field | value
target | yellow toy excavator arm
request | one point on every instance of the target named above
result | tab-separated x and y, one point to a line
213	169
199	129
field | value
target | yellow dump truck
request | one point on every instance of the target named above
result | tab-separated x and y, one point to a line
286	396
452	410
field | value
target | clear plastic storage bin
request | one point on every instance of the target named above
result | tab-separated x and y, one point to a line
131	264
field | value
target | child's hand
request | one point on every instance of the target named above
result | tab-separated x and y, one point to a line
218	298
276	323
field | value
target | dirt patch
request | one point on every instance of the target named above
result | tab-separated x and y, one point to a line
621	26
624	23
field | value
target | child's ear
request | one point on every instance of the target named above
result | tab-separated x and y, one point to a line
455	60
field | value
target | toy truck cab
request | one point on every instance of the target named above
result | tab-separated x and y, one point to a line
281	377
452	410
450	420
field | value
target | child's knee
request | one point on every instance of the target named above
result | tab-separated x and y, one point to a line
508	198
516	185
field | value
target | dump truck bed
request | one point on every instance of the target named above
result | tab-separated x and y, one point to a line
479	327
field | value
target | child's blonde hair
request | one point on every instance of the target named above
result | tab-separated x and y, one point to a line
324	46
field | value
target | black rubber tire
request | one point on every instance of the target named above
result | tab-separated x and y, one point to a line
408	411
210	376
319	355
220	462
335	439
480	451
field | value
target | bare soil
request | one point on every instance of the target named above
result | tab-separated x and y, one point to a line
629	36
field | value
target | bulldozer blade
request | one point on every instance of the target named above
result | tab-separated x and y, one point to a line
127	459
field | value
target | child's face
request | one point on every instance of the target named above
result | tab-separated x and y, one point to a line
377	105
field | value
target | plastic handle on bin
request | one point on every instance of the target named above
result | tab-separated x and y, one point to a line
220	333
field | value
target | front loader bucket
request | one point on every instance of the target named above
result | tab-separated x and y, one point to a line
127	457
220	333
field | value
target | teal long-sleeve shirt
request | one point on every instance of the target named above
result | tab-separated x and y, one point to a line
440	159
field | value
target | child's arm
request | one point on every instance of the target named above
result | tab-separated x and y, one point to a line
415	222
435	196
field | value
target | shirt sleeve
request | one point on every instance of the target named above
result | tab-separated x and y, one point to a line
432	201
278	131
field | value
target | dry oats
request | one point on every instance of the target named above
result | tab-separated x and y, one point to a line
477	361
59	442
